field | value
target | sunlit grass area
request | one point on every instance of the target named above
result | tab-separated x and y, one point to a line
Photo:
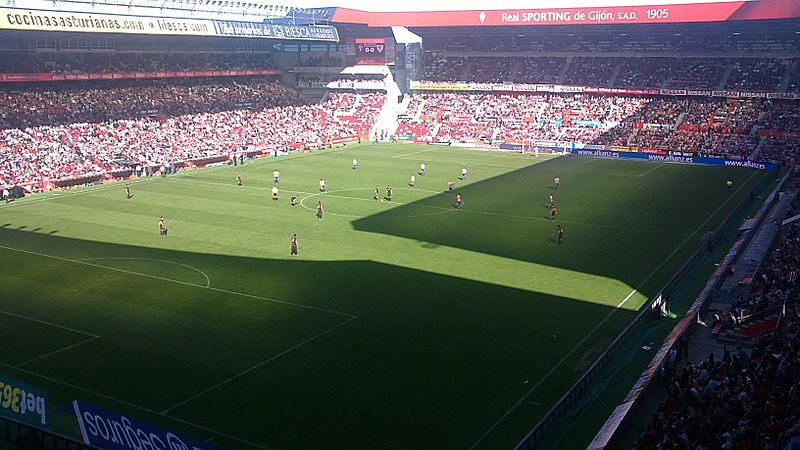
401	324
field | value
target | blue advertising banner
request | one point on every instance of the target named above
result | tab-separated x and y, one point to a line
23	402
674	158
112	431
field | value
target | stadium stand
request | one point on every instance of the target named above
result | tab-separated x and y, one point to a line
51	62
704	125
756	74
73	140
56	105
743	399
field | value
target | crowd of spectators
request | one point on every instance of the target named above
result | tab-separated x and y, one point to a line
587	71
673	43
759	74
55	105
320	61
545	70
743	399
647	72
451	68
685	124
487	70
780	148
782	116
103	62
644	73
58	149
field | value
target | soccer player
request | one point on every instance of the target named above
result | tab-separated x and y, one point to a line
550	203
450	186
560	235
355	164
127	193
162	226
422	169
729	184
388	192
463	176
377	194
322	187
459	203
320	210
276	176
239	179
556	182
293	251
274	192
293	200
412	181
553	212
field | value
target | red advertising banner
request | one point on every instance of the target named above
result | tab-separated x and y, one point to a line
36	77
663	13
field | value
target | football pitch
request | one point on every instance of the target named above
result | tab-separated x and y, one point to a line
403	324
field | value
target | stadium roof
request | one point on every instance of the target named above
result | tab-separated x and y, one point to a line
571	12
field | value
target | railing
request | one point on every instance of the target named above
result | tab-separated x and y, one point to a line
28	437
652	310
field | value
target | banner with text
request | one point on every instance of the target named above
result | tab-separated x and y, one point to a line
39	20
675	158
35	20
632	11
268	30
521	87
112	431
23	402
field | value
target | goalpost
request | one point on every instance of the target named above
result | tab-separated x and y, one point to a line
529	147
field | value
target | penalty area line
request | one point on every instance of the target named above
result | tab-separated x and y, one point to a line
47	355
44	322
262	363
184	283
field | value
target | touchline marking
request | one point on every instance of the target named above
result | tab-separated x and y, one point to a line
57	351
603	321
185	283
412	153
250	369
20	316
129	404
208	280
651	170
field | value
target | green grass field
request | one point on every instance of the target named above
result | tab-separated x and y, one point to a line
401	325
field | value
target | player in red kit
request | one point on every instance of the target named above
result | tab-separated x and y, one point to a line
320	210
